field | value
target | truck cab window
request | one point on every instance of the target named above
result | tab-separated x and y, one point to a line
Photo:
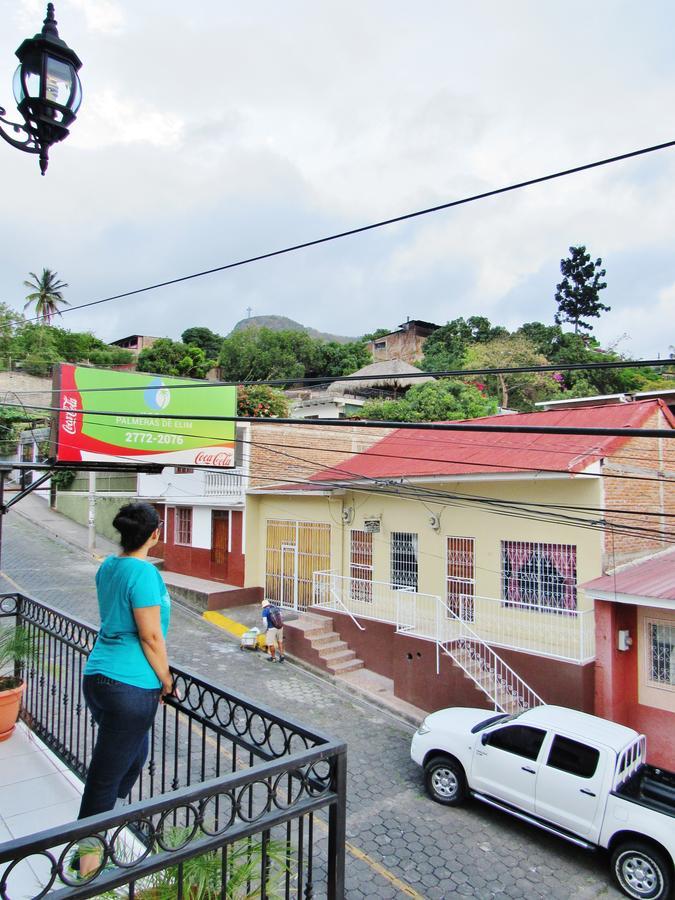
519	739
573	757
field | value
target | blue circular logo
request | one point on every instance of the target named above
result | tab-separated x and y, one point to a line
156	395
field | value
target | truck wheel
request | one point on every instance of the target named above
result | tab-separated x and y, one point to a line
445	780
642	871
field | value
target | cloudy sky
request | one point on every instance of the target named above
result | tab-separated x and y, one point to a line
212	131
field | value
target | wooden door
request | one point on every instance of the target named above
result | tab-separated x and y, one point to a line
220	535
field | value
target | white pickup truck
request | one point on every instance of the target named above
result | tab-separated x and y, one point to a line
574	775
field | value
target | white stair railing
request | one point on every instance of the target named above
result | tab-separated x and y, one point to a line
493	675
428	616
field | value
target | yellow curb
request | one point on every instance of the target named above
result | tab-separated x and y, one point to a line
236	629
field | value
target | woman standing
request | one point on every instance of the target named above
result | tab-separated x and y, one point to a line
127	672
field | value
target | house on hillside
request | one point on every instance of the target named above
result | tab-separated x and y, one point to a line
406	343
453	562
344	397
135	342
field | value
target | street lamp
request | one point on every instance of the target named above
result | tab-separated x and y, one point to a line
47	90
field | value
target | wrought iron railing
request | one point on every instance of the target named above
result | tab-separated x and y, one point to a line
231	802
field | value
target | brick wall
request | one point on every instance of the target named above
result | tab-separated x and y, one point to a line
649	463
289	453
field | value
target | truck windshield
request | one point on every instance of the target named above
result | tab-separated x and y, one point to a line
501	717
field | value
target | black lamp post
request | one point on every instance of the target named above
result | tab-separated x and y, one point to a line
47	90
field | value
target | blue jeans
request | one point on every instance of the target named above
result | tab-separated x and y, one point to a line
124	715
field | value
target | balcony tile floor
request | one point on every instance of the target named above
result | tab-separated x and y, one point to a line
36	792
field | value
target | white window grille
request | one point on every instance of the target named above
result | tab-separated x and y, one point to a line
294	552
461	577
539	575
361	565
660	653
404	560
183	527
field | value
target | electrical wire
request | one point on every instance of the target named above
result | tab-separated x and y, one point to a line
327	379
367	423
371	453
380	224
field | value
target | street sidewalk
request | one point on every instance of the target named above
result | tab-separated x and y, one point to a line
38	511
370	686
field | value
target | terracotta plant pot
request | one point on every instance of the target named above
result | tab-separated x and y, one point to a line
10	702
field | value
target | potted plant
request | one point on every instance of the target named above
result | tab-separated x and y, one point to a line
202	875
15	647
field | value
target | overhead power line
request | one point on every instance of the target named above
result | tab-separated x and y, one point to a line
322	379
367	423
380	224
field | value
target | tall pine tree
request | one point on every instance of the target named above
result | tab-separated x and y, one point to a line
577	295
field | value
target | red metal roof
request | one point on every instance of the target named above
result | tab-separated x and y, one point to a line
652	579
410	453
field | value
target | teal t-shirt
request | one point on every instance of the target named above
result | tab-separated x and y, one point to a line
125	583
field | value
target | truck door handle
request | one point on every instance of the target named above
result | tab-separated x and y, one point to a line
584	791
527	769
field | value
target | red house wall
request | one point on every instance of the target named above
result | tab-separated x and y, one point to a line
616	684
196	561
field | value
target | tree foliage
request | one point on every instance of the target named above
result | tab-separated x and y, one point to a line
167	357
434	401
518	390
257	354
374	335
46	295
446	348
261	401
205	339
577	295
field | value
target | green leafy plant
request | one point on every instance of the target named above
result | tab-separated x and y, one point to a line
63	478
16	646
261	401
202	875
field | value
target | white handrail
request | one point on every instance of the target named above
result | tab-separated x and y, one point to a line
488	663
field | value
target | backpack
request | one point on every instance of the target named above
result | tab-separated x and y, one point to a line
275	618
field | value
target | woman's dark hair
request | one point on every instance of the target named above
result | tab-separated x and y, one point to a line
135	523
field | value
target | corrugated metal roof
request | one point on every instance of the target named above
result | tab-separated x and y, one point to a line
652	579
413	453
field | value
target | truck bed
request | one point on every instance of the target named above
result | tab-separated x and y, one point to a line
651	787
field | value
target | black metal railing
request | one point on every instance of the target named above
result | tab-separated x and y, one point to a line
232	801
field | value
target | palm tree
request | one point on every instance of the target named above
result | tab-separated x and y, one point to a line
46	295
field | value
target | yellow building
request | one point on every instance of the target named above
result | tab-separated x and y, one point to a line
444	554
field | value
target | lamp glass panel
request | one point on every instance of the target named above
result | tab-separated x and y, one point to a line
32	84
59	81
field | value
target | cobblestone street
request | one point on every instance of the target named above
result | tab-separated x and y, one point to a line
400	843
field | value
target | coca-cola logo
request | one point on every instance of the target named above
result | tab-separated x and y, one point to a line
213	459
70	418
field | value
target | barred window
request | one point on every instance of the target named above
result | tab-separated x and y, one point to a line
183	530
361	565
539	575
404	560
461	577
661	653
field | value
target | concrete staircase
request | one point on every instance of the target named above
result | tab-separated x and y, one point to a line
326	648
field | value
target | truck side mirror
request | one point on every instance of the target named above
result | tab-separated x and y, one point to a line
484	739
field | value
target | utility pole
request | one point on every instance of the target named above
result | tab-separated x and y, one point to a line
91	516
249	311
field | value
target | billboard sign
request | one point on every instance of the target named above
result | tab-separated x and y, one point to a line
147	419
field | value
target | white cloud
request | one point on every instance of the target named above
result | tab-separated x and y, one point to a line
108	120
